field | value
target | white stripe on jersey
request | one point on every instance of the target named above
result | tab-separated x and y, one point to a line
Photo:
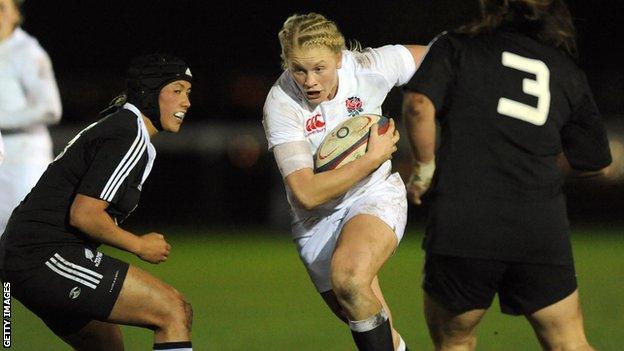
131	158
73	274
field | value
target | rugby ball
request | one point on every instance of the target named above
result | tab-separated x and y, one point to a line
347	142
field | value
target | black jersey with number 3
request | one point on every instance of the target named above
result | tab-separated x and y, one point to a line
507	105
108	160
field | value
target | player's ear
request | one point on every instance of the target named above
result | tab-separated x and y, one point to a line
339	58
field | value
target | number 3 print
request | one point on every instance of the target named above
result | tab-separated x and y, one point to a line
539	87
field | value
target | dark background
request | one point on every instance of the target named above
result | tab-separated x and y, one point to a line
217	171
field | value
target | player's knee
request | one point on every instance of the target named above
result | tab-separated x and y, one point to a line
188	315
176	312
468	342
347	285
445	336
453	341
182	312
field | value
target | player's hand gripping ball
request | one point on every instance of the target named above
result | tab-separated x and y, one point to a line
347	142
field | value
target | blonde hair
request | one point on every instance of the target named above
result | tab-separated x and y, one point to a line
309	30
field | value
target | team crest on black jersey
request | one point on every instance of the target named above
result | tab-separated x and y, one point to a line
354	106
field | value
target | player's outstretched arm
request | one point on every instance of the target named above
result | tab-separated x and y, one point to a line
419	116
314	189
89	215
417	51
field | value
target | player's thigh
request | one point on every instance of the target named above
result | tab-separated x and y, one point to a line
560	323
96	336
145	300
373	227
364	244
316	238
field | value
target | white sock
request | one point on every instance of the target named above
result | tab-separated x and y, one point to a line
369	323
401	346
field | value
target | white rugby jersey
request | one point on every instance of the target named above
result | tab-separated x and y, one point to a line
29	98
364	81
1	149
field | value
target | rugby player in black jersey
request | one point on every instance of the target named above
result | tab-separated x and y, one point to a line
510	102
48	251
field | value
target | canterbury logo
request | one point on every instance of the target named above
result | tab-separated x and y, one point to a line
314	123
74	272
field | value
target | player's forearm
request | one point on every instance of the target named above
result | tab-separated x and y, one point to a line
28	117
566	169
419	117
313	190
100	227
421	135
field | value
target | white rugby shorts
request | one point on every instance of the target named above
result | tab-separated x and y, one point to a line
385	200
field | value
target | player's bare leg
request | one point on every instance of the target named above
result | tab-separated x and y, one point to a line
451	331
560	325
332	301
364	245
96	336
146	301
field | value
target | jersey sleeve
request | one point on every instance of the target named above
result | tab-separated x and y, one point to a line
584	138
436	71
116	158
281	121
394	62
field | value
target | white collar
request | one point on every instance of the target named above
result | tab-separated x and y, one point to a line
16	36
134	109
137	112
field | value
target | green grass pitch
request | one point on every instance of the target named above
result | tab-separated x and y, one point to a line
249	291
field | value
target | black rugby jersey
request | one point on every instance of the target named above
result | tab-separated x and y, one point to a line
108	160
507	105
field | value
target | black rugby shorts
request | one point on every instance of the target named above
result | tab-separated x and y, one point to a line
462	284
73	286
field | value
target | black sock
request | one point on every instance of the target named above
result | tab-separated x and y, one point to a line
180	345
376	339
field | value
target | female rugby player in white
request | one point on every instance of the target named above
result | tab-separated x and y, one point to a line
346	222
29	102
